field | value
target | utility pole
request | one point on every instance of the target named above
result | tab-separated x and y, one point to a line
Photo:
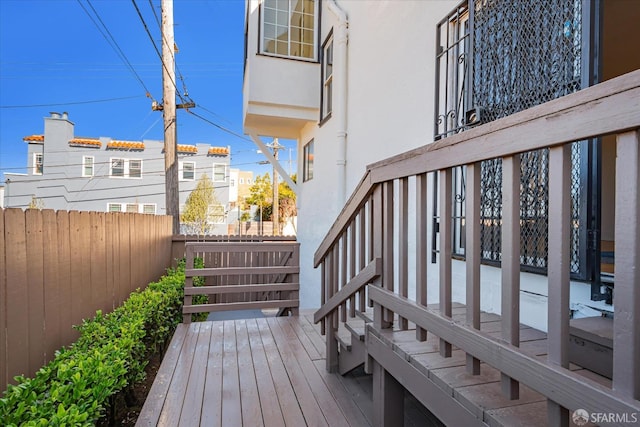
172	195
275	214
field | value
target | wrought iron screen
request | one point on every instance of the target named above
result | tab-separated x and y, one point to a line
499	57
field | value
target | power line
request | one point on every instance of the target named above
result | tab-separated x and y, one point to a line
156	47
71	103
113	43
222	128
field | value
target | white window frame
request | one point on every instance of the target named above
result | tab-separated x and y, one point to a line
269	11
88	162
114	205
38	163
327	77
126	166
307	161
151	206
182	171
216	165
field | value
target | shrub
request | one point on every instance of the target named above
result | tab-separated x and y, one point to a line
111	354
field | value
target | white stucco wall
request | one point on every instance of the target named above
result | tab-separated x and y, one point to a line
390	109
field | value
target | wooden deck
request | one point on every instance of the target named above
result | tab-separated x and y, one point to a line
258	372
272	372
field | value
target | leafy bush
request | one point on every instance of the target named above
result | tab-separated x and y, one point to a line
112	351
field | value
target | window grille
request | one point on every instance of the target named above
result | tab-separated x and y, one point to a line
495	59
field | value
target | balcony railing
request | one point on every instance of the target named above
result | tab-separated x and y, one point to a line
364	259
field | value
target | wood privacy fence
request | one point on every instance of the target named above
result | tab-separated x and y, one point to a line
242	275
59	267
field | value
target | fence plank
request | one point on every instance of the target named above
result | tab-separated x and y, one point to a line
35	288
510	311
626	297
17	294
67	333
124	283
98	264
3	307
109	242
53	304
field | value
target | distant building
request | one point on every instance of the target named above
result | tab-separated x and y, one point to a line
67	172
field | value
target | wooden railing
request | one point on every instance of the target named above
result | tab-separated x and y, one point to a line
242	275
57	268
368	245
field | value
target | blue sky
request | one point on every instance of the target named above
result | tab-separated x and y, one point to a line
54	58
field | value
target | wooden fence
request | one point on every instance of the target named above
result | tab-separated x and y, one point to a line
242	275
58	267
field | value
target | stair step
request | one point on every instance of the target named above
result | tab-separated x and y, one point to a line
344	338
366	315
357	328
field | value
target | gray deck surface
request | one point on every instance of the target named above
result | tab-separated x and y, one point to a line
258	372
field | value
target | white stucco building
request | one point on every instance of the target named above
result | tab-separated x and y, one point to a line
355	82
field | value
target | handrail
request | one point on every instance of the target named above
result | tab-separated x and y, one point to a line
531	129
365	276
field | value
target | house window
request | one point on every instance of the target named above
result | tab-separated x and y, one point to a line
149	208
288	28
126	168
135	168
132	207
219	173
114	207
248	181
307	171
87	166
241	181
38	163
327	77
117	167
187	171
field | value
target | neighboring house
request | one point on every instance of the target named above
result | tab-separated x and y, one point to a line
67	172
357	82
1	196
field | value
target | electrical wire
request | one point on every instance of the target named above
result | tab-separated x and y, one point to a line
164	65
71	103
113	43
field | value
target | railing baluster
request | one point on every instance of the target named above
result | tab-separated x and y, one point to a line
511	262
323	292
387	242
335	276
373	232
421	247
352	265
626	297
403	244
343	274
362	256
332	318
559	268
445	251
379	319
472	255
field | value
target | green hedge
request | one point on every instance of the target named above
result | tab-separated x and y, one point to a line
75	387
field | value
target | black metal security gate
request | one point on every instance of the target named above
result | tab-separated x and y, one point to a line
496	58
